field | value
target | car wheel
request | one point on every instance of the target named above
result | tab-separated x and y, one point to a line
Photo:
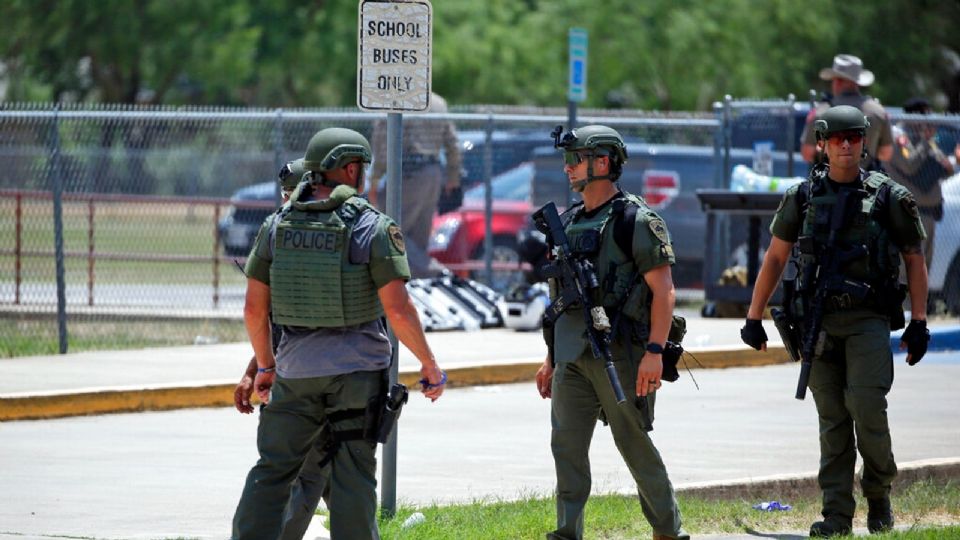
951	287
504	251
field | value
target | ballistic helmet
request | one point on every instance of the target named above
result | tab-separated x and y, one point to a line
603	140
841	118
291	174
332	148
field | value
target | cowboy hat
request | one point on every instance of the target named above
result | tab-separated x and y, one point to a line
847	66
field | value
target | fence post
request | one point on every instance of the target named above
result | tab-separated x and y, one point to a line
90	257
488	201
277	152
791	130
18	248
58	230
216	257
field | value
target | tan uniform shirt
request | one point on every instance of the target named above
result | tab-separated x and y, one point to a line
421	137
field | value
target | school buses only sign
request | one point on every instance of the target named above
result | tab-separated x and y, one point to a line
396	41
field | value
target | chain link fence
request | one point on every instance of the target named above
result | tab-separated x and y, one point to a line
761	157
151	207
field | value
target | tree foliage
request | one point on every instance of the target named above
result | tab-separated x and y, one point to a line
656	54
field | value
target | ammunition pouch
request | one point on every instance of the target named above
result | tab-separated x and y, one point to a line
670	357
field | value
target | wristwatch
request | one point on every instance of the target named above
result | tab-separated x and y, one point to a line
655	348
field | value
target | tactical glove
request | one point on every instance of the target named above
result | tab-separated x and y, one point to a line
753	333
916	336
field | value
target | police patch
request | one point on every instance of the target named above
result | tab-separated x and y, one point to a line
910	205
396	237
659	229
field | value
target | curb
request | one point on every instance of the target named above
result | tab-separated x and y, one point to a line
942	338
192	394
785	486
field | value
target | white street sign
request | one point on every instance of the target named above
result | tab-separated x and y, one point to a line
394	55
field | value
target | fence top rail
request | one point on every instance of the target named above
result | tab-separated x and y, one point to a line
119	197
629	118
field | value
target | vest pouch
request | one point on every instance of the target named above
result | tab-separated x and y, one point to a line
678	329
635	306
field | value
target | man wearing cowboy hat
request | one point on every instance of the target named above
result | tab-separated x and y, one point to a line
846	76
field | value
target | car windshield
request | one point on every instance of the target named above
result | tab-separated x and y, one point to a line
512	185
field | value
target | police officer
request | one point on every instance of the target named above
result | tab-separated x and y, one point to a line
847	76
630	247
312	483
921	165
330	267
850	379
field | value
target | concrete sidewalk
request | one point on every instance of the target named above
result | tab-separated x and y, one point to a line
98	382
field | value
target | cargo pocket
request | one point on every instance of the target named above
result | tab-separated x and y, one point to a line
644	408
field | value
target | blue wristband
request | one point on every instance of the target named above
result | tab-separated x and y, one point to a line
443	380
266	369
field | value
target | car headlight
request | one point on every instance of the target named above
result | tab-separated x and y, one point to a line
443	234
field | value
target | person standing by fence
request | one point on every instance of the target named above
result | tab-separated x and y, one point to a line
431	165
847	76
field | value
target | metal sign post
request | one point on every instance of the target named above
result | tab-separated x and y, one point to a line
395	44
577	81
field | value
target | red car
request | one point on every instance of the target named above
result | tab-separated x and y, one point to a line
457	238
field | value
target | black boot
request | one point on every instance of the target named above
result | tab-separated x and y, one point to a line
831	526
879	515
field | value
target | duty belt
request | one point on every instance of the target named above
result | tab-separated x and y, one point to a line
420	160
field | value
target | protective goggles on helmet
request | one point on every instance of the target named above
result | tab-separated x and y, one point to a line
854	136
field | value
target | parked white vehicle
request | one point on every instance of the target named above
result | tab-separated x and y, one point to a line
944	271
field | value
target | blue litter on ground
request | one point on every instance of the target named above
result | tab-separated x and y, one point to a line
772	506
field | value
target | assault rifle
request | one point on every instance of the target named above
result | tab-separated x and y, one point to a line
824	278
579	280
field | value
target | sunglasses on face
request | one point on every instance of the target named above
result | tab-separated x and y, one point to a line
574	158
854	137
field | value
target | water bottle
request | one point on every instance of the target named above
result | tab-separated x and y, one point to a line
740	179
415	518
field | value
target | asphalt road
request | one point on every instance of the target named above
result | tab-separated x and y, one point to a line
179	473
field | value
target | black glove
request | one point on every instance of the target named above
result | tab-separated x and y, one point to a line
753	333
916	336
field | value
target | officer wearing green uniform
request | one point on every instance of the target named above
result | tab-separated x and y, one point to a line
853	371
312	483
629	246
330	267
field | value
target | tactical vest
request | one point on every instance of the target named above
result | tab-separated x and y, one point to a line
617	277
877	268
313	284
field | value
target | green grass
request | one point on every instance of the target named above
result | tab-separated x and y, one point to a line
39	337
931	510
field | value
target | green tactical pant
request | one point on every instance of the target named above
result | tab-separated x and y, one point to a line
850	383
312	484
580	391
289	427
